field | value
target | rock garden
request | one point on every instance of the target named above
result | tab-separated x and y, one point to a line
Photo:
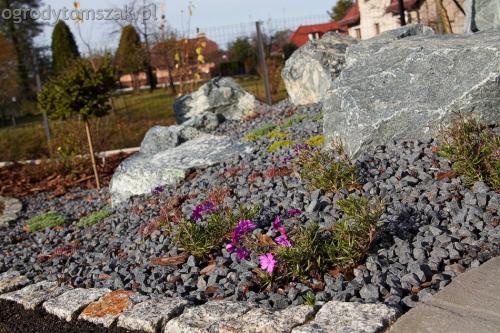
368	191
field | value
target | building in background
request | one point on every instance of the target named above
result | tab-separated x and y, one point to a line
368	18
305	33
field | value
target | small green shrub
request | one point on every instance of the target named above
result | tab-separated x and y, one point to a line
277	134
199	238
330	171
279	145
474	150
259	132
44	221
316	250
94	218
309	298
297	119
316	141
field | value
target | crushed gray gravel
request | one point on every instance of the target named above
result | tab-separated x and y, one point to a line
433	228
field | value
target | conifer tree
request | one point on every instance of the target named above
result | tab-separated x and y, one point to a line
130	57
64	48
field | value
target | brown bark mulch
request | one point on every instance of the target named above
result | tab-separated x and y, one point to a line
21	180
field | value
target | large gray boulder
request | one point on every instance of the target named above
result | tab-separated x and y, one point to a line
140	173
408	88
222	96
160	138
481	15
309	73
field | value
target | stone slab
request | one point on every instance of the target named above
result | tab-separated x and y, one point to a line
12	280
349	317
152	315
11	210
68	305
200	319
108	308
140	173
34	295
471	303
267	321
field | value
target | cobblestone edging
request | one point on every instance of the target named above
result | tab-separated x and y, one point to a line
11	210
129	311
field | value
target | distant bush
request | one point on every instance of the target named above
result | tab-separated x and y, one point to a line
474	150
330	171
44	221
94	218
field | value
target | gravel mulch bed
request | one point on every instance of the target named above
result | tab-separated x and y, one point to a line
433	228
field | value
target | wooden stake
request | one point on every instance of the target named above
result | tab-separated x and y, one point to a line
92	157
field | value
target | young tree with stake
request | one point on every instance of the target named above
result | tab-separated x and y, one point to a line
81	90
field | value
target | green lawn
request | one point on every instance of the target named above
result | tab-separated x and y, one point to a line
134	114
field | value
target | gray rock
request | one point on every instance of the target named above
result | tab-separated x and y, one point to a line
346	317
374	101
32	296
140	173
199	319
481	15
221	96
12	280
161	138
12	207
152	315
309	73
267	321
69	304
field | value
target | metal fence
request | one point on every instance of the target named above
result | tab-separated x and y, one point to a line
225	34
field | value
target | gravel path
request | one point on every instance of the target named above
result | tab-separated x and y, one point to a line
433	228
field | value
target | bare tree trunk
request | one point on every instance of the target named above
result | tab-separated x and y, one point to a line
443	15
402	19
171	80
92	157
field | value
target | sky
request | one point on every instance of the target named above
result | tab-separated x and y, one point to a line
205	14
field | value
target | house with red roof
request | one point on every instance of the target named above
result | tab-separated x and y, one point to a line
368	18
305	33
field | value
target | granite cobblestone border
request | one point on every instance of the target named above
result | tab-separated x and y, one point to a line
103	310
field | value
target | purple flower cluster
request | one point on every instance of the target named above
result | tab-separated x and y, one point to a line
202	209
281	240
243	227
292	212
158	190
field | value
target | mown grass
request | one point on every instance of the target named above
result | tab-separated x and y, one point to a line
44	221
133	115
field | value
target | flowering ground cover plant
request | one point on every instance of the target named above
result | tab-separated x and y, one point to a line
209	226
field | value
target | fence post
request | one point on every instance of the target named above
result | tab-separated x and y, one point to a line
38	89
263	63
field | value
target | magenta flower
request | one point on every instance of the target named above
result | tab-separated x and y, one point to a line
277	223
294	212
245	226
202	209
230	247
267	262
242	253
282	230
283	241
